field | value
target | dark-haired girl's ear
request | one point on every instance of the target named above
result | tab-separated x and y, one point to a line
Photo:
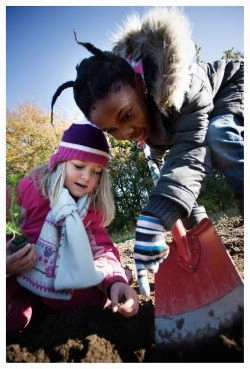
140	85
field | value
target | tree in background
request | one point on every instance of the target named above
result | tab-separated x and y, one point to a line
131	183
216	196
30	138
197	53
232	54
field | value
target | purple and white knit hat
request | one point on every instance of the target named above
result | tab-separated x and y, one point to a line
82	141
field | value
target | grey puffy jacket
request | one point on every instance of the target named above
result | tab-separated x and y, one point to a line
186	95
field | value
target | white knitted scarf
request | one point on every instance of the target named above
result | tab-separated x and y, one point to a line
64	260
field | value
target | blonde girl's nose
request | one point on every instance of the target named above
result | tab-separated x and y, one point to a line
86	173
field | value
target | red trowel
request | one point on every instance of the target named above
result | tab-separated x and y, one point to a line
198	290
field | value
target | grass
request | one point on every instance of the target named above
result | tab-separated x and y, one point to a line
232	212
123	236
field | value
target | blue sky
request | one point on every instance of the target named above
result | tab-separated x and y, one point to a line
41	52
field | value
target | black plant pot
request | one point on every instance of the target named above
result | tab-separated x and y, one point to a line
18	242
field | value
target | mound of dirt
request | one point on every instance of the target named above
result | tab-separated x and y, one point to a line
94	336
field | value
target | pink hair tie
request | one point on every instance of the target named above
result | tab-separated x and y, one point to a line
136	65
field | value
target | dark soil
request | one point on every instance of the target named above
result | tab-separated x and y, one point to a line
94	336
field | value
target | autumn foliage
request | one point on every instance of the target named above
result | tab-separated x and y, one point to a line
30	138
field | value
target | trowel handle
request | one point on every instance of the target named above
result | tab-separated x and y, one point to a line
180	236
178	231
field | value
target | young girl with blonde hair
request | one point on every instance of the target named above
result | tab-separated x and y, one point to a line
70	261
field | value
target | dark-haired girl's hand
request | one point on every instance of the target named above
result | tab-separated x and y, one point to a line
150	248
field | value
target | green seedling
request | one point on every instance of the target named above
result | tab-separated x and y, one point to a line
18	239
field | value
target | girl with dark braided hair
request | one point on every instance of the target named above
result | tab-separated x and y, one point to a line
98	76
149	89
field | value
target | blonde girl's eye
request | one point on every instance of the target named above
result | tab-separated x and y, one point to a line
97	172
78	166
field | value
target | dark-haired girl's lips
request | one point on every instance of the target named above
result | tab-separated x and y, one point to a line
139	138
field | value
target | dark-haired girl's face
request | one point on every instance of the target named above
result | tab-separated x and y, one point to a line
123	114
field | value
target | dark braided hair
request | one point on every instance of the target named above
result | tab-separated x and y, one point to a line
57	93
96	77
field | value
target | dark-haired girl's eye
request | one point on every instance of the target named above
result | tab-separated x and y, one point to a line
126	116
110	130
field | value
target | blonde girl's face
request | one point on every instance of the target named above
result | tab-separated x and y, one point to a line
82	177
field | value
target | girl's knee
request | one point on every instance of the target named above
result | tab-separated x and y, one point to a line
215	132
223	129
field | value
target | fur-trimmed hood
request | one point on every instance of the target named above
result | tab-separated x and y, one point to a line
162	39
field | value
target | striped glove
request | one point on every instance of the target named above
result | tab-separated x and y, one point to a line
150	247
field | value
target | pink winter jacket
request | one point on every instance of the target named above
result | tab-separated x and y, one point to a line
34	211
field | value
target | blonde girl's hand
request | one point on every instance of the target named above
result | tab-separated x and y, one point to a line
21	260
124	299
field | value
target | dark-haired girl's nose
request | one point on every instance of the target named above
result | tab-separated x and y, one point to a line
126	133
